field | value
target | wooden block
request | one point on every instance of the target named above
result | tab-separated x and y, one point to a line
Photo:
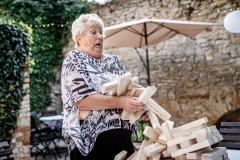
135	116
132	156
190	127
153	149
188	143
125	115
141	155
214	153
225	156
167	127
151	133
122	83
156	156
220	137
197	154
154	121
158	110
121	156
162	139
136	92
107	87
147	93
204	137
165	153
174	148
134	83
193	135
188	131
182	157
192	148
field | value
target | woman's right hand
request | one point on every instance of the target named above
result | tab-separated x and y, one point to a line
130	104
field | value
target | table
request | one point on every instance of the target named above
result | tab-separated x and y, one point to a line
233	154
52	121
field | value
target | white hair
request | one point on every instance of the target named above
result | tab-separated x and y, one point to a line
82	23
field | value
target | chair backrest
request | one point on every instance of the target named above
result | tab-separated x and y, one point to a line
5	151
34	122
49	113
231	135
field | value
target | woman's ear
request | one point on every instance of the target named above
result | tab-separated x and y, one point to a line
79	41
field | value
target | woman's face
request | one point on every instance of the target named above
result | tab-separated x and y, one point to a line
92	42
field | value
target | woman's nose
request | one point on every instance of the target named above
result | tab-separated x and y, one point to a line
100	36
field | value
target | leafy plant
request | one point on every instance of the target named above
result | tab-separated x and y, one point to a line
14	47
50	21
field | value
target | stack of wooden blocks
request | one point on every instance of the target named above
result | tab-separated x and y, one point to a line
190	141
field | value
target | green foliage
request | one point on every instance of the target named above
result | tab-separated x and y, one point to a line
50	20
14	47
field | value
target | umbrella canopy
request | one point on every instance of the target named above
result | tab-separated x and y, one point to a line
144	32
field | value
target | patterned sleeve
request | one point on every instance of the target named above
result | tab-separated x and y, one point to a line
74	86
120	66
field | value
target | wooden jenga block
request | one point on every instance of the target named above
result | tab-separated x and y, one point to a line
190	127
135	116
167	127
220	137
174	148
122	83
134	83
121	156
141	155
165	153
158	110
154	121
213	133
192	148
136	92
147	94
216	153
197	154
156	156
225	156
107	87
125	115
162	139
193	135
153	149
188	143
132	156
151	133
182	157
188	131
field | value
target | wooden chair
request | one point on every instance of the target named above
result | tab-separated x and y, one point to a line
231	135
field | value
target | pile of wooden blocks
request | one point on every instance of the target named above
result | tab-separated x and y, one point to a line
190	141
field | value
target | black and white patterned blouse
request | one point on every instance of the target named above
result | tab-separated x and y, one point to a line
82	76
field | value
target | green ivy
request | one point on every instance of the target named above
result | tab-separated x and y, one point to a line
49	38
14	50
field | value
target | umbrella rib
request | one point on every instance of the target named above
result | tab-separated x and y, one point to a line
162	25
134	31
114	33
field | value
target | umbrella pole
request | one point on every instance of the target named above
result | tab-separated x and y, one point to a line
148	72
146	42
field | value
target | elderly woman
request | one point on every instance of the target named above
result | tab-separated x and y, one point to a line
92	127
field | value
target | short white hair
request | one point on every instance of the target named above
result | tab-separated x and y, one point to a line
82	23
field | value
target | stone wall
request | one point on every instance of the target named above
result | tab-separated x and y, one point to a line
20	142
195	77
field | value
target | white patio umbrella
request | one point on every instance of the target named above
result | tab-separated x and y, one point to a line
144	32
